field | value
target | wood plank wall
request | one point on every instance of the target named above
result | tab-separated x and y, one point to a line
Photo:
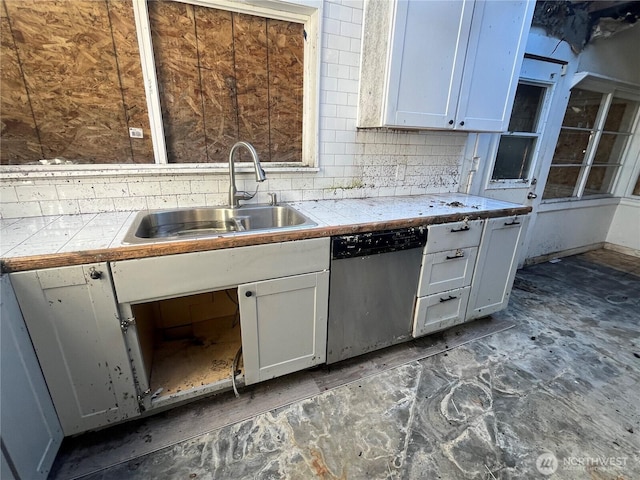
72	82
227	77
73	85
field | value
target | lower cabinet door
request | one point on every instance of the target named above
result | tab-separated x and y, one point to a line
29	427
284	325
496	266
440	311
73	321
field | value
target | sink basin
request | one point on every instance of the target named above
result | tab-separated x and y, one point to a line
188	223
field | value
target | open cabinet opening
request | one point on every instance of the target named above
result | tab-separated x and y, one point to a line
189	342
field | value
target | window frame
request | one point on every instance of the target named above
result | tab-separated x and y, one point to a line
507	183
304	12
608	88
307	12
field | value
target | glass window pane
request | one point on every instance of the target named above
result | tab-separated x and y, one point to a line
600	180
582	109
526	108
610	148
620	116
636	189
561	182
571	147
513	158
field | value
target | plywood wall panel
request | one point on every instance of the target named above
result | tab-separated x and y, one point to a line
175	48
250	41
68	61
286	53
19	142
72	82
215	43
131	81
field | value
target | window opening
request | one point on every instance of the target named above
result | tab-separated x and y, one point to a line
595	131
516	147
225	76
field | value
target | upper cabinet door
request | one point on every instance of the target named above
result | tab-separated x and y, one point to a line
494	57
450	64
73	321
427	61
284	325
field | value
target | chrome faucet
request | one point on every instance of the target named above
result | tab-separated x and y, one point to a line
234	195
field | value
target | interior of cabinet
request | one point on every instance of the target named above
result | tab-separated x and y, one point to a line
189	342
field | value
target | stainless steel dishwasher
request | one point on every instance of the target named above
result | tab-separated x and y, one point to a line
372	290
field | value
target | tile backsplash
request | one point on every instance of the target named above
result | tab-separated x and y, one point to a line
352	163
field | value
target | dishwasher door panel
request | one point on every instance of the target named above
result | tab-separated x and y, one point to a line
371	301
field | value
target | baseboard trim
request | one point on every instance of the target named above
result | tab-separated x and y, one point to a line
564	253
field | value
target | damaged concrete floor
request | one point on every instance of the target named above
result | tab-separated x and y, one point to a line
556	396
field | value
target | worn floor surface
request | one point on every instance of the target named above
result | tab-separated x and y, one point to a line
556	396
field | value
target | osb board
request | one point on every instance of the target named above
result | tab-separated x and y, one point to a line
224	77
175	48
68	61
286	53
215	40
123	28
227	77
250	43
206	358
18	135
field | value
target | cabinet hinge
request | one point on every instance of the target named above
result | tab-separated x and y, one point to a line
140	399
124	324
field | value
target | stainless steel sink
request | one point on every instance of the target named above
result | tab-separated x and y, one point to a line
189	223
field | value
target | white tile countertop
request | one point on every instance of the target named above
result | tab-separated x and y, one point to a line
102	232
372	210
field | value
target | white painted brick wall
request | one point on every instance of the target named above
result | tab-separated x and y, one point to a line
352	163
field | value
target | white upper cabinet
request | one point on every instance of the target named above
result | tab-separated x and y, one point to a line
448	65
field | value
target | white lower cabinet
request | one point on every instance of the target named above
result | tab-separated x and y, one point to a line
203	322
29	427
284	325
467	272
447	271
496	266
73	322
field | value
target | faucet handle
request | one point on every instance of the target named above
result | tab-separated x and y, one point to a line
273	200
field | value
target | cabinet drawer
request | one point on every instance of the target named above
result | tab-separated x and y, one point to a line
454	235
448	270
440	311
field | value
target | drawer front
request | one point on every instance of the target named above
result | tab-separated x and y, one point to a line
448	270
440	311
450	236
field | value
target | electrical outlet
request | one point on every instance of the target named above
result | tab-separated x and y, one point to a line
135	132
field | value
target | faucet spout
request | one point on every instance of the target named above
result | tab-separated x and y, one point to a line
234	195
